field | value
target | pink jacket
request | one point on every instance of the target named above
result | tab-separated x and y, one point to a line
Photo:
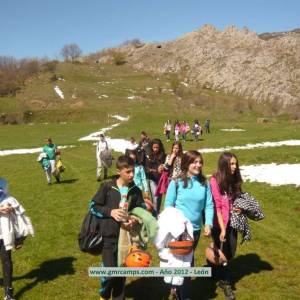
222	203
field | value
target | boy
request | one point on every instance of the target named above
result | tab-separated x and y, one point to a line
111	204
51	149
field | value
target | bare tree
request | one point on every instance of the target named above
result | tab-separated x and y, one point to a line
70	52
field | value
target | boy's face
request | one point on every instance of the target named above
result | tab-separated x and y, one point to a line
126	174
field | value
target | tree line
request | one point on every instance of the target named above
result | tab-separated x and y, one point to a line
14	72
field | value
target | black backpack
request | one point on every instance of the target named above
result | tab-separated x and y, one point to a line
90	238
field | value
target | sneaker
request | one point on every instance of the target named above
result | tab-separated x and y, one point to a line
98	179
226	287
9	294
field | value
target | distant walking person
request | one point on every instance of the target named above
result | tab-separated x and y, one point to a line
167	130
207	126
103	156
177	130
50	149
184	128
196	130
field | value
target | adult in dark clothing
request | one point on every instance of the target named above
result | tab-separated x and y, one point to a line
154	167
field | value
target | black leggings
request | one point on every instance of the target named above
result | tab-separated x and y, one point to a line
111	286
7	266
229	248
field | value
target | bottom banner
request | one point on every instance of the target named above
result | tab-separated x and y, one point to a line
149	272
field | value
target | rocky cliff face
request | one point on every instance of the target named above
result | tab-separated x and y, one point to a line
238	61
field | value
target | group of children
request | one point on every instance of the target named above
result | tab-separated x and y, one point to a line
181	129
145	174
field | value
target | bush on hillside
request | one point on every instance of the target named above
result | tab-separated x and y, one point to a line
118	58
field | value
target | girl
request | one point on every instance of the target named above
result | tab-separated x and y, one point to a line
191	194
167	130
173	160
12	234
154	168
183	130
177	130
197	130
225	186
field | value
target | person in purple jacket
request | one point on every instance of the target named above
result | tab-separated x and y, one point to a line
225	187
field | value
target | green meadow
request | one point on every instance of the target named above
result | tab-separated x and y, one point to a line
50	265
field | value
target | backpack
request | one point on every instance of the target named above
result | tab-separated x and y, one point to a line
90	239
106	157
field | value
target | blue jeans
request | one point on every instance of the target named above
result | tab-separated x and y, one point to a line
155	199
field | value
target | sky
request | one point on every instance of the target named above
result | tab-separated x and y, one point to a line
39	28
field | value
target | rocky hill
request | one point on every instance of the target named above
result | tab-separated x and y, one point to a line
238	61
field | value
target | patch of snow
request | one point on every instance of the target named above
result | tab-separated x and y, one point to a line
27	151
104	96
120	118
61	79
149	89
253	146
59	92
184	83
273	174
131	97
119	145
232	129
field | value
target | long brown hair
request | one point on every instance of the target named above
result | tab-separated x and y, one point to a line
228	183
188	158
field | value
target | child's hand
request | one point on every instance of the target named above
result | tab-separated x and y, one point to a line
238	210
118	214
149	204
222	236
207	230
129	224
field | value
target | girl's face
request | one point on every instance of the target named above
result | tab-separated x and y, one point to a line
195	167
233	165
175	149
155	148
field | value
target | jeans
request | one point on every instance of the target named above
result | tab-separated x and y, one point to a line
155	199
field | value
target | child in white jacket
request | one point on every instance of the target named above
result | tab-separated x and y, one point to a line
14	227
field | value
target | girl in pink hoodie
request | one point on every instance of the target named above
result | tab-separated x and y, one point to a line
225	187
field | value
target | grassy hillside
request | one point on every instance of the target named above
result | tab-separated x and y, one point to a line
50	265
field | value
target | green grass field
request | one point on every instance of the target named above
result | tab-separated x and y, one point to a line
50	265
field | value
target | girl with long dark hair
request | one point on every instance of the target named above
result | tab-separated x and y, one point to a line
225	186
173	160
154	168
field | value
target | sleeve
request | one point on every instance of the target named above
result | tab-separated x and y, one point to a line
209	207
99	203
144	180
216	194
171	194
